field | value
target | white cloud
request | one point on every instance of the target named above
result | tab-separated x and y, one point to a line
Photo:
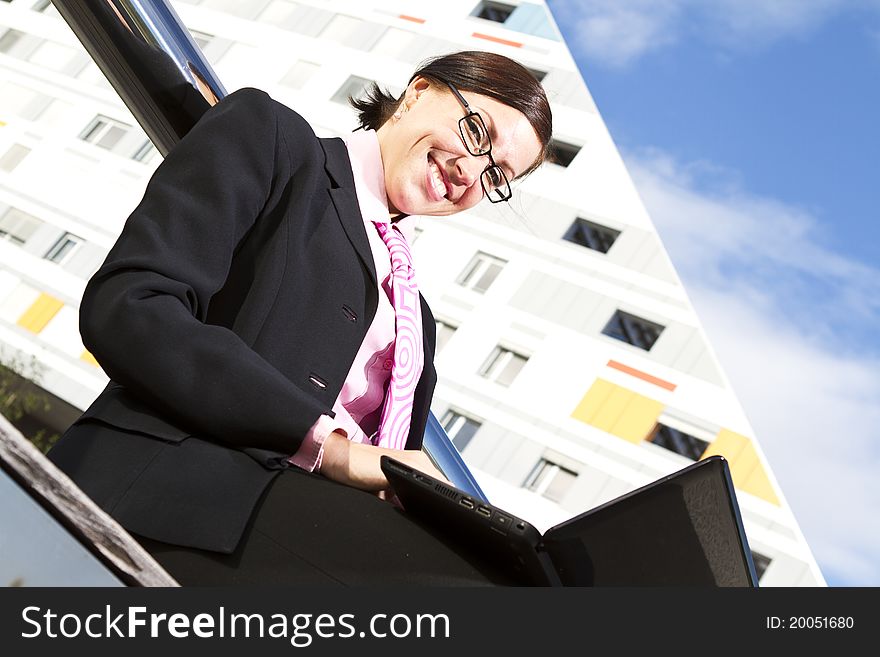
752	267
760	240
618	32
759	20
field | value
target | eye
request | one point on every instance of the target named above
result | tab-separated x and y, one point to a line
476	133
494	177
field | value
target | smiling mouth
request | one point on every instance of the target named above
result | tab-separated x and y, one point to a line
436	180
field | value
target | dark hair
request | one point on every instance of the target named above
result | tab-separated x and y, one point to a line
485	73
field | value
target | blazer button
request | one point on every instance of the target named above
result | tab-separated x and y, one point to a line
388	364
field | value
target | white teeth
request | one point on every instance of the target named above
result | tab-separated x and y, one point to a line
439	185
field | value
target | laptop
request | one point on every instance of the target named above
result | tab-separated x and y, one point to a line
684	529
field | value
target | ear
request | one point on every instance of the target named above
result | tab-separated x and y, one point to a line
415	90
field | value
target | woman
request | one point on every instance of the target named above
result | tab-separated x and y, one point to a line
250	321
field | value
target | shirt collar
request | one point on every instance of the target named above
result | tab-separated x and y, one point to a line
369	180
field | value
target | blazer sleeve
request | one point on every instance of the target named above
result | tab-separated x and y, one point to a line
142	314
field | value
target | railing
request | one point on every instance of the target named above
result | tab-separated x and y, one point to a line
153	63
54	535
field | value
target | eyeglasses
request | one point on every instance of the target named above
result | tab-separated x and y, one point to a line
476	139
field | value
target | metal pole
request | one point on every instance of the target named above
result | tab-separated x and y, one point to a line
151	60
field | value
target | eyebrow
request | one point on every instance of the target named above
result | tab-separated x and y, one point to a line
493	135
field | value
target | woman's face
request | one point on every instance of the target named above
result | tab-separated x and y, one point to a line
428	170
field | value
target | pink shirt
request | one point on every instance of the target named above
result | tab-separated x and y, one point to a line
359	405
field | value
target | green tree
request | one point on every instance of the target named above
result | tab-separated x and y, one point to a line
19	399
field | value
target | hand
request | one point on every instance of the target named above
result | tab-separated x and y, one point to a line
357	464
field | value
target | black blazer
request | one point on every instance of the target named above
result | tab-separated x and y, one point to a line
227	316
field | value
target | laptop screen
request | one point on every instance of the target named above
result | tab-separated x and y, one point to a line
681	530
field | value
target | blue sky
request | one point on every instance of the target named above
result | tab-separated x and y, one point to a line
751	131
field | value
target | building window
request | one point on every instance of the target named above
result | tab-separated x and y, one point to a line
633	330
104	132
343	29
299	74
481	272
63	248
550	480
13	157
537	73
55	57
562	153
234	7
503	365
202	40
340	28
460	428
9	40
277	12
21	101
353	87
591	235
497	12
678	442
17	226
393	42
444	332
145	152
761	562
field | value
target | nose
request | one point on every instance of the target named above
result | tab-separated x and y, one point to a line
466	171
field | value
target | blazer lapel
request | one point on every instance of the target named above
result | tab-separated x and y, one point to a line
344	198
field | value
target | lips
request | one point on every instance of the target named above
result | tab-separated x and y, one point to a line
436	181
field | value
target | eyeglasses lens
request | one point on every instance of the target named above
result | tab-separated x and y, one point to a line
476	136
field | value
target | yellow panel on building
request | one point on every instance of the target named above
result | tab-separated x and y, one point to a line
745	467
595	398
638	419
618	411
41	311
758	484
609	413
728	444
87	357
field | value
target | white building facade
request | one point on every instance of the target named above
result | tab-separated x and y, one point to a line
572	365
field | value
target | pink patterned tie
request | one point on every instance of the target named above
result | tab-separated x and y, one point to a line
409	354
